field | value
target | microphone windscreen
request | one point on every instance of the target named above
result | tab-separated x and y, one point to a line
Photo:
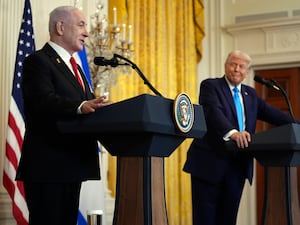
259	79
99	61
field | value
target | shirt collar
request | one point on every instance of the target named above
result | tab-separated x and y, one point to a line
231	86
61	52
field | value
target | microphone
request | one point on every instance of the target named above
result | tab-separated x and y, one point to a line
268	83
275	85
101	61
114	62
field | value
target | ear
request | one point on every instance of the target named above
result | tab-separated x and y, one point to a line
60	28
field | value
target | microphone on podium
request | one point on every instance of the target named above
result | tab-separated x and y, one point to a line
268	83
273	84
118	60
113	62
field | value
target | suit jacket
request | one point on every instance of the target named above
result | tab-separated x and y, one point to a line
52	93
207	157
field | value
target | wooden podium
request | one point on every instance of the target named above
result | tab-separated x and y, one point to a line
278	150
141	132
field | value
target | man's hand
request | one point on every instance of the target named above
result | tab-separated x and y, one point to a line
242	139
91	105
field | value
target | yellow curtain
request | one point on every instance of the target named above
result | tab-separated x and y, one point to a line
167	44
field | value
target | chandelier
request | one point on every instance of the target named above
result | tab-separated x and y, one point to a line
105	40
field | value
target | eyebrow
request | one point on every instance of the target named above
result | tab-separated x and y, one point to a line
244	66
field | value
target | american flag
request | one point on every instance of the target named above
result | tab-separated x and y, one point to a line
16	127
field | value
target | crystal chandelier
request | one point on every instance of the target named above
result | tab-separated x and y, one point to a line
105	40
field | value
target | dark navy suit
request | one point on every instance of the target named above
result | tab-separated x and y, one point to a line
220	173
52	93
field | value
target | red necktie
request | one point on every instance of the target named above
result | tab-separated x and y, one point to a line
75	69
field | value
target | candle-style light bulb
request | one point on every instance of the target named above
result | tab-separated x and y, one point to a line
115	16
124	32
129	33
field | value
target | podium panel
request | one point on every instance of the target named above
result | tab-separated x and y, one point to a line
278	150
141	132
142	125
140	198
279	146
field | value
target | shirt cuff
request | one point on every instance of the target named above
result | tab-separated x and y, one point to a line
79	108
226	137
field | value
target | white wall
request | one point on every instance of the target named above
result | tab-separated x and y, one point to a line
221	13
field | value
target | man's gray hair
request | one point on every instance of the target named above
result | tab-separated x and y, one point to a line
58	14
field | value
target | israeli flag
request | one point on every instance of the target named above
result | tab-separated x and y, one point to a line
92	191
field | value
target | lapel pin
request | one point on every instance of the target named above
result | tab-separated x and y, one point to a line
58	60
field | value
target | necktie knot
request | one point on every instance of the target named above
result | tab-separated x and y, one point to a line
73	62
236	90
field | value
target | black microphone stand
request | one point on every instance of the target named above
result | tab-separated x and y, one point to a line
136	68
286	99
286	168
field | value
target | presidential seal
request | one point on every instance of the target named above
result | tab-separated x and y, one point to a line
183	113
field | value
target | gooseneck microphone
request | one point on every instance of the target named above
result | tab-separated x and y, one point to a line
114	62
268	83
273	84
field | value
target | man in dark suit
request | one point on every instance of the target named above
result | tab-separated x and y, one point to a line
217	175
52	164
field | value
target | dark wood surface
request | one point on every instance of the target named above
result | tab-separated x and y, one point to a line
276	213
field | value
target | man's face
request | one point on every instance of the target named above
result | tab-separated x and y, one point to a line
75	32
236	69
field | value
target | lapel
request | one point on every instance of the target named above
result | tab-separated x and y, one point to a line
88	89
247	103
60	65
228	96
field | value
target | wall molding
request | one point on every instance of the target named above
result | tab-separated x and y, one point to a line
6	217
269	42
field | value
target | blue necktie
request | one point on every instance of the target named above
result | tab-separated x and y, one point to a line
238	107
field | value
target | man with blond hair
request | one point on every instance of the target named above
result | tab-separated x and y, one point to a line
218	176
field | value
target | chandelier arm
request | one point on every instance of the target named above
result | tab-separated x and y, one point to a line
140	73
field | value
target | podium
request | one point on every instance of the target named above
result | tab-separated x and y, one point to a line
278	150
141	132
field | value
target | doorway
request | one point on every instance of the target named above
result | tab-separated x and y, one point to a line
289	80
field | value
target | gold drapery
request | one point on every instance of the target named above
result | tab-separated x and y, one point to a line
167	41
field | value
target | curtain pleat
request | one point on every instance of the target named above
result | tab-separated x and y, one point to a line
167	46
